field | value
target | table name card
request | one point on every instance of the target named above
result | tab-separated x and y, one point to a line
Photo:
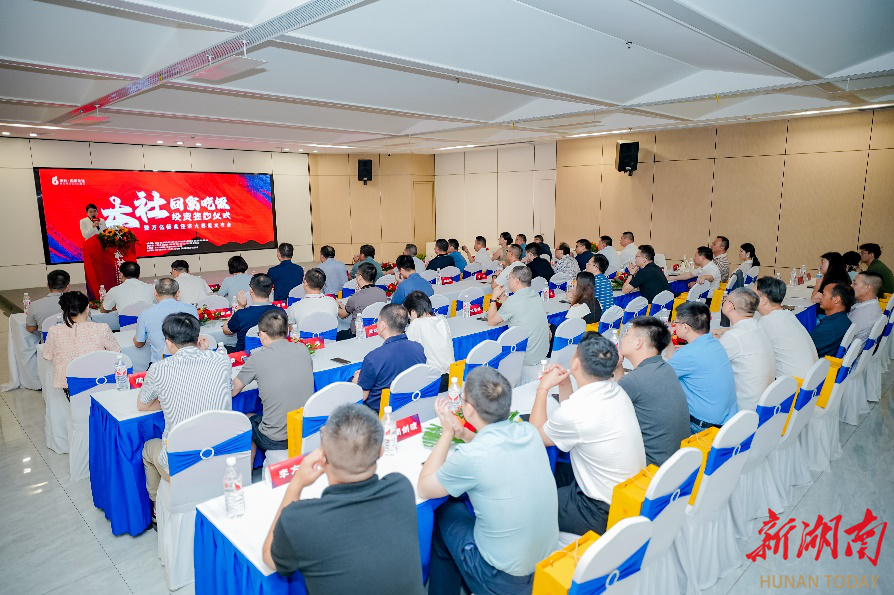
408	426
372	330
481	276
238	358
282	304
446	280
136	380
475	309
279	474
315	342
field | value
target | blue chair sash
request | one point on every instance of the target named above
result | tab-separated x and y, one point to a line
718	456
454	278
841	351
652	508
765	413
492	363
461	304
325	335
291	300
369	321
347	292
628	316
804	397
252	343
181	461
443	310
563	286
656	308
843	373
748	280
126	320
78	385
613	275
604	326
600	584
870	343
398	400
507	349
560	343
310	425
888	329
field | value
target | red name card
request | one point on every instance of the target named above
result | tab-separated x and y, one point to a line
552	293
214	287
316	342
136	380
446	280
238	358
281	473
481	276
408	426
372	330
475	309
284	304
223	312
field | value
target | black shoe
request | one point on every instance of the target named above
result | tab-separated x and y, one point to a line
154	520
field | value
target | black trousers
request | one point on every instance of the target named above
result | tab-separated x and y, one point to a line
578	513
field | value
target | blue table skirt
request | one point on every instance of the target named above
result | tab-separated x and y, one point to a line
681	286
117	477
808	317
625	298
221	569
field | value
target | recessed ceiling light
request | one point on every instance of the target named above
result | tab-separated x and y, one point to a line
5	133
286	150
179	142
332	146
198	144
457	147
32	134
597	133
159	142
313	151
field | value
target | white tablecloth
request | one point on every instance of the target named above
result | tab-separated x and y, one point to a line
22	356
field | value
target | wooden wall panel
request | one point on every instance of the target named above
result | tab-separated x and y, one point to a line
878	206
577	202
545	205
516	158
481	206
481	162
682	206
331	209
746	204
883	130
820	206
688	143
450	209
515	202
290	164
20	243
579	151
16	152
330	165
626	203
397	208
846	132
254	162
747	140
366	211
450	164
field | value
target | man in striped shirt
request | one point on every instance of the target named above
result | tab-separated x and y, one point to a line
193	380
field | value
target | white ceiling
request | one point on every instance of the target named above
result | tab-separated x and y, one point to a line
421	75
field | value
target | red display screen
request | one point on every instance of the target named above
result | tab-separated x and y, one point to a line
172	213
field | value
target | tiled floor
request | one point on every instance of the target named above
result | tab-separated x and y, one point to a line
54	541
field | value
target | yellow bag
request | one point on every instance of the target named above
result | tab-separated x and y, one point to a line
628	496
791	410
717	298
553	575
680	299
294	426
829	383
702	441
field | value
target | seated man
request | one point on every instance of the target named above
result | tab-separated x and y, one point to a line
703	369
514	256
382	365
602	287
653	388
837	300
193	380
504	470
523	308
866	311
367	254
259	288
367	294
749	348
336	273
627	253
794	351
540	267
39	310
442	260
565	263
131	291
361	530
583	252
482	254
411	250
718	249
193	289
522	241
457	256
285	375
604	247
408	280
706	271
647	277
544	247
286	275
314	299
596	425
150	320
432	332
869	255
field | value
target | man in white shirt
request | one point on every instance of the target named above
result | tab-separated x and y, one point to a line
314	300
514	255
482	254
867	310
193	289
131	290
749	349
604	247
597	426
705	270
411	250
92	225
718	248
794	350
628	250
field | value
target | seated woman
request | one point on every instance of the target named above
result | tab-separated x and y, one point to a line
749	259
852	263
833	270
432	332
583	299
238	279
76	337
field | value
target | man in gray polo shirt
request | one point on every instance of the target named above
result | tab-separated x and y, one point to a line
654	389
285	376
40	310
523	308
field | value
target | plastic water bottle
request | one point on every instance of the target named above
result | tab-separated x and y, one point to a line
467	310
453	394
102	293
121	381
793	278
233	495
360	331
234	304
26	302
684	262
543	364
545	295
438	278
803	274
614	338
390	441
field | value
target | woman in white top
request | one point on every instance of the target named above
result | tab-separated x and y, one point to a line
432	332
583	299
749	259
238	279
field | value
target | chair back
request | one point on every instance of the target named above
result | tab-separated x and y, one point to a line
386	280
450	275
843	376
611	319
699	293
213	302
513	343
318	408
87	374
470	295
440	305
558	281
663	301
566	340
486	353
886	335
490	267
752	275
370	313
869	345
638	306
661	261
772	411
846	341
198	448
297	294
414	391
349	288
323	325
49	323
472	269
666	499
252	340
730	285
725	462
430	276
127	316
611	564
805	401
539	284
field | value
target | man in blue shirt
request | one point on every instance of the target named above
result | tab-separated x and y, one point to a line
453	250
836	301
409	280
522	241
382	365
544	247
286	275
367	254
703	369
602	287
150	320
246	317
336	273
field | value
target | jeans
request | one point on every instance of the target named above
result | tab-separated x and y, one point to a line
261	440
456	559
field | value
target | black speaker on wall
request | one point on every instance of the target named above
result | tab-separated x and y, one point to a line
364	170
626	156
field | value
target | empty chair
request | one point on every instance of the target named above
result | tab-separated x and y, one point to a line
385	280
638	306
414	391
707	541
316	411
539	284
873	373
349	289
48	324
127	316
472	269
252	340
566	340
297	294
197	452
558	281
213	302
611	319
86	375
322	325
661	261
449	275
612	564
370	316
854	402
699	293
514	343
486	353
751	275
662	301
440	305
430	276
474	296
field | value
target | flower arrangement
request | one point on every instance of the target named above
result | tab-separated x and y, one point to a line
676	267
389	290
388	266
95	304
215	287
207	315
618	281
117	237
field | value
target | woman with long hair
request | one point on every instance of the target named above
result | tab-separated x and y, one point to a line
499	254
852	263
77	336
833	270
748	256
583	300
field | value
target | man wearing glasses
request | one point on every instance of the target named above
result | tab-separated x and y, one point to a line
646	276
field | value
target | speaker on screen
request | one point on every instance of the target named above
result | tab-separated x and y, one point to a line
364	170
626	156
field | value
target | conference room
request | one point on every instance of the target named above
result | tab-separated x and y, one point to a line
378	296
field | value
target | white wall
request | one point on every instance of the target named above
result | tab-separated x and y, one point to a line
487	192
21	247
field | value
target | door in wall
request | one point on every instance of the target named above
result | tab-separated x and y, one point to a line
424	213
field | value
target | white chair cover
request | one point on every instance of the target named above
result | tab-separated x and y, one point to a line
486	353
99	366
663	301
849	335
413	381
469	295
370	314
385	280
429	276
297	294
58	410
252	340
539	284
565	342
638	306
321	404
699	293
440	304
613	562
873	373
512	363
559	281
707	543
757	489
49	323
175	507
611	319
751	276
134	311
665	505
471	269
213	301
452	272
349	288
319	324
661	261
854	402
